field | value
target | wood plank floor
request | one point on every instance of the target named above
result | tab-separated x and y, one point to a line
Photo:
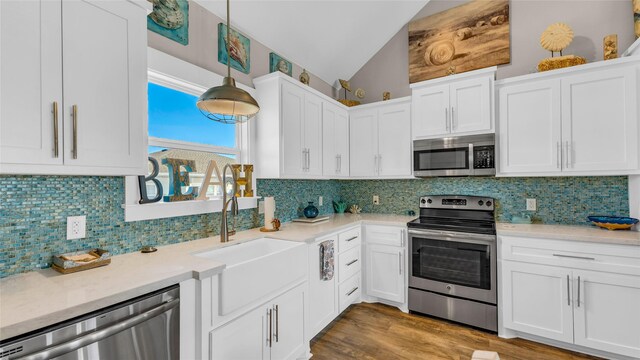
375	331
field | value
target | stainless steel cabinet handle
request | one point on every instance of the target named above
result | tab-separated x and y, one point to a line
401	238
578	291
340	164
569	157
574	257
568	292
270	332
82	341
308	159
446	119
400	261
375	163
379	163
74	114
337	166
55	129
352	262
277	332
558	156
351	238
453	119
352	291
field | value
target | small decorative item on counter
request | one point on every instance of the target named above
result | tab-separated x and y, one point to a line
521	219
339	206
148	249
304	77
310	211
386	96
610	47
613	222
275	223
81	260
355	209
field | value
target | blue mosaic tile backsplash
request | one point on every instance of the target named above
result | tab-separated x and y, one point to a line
33	209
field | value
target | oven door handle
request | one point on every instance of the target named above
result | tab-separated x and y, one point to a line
453	236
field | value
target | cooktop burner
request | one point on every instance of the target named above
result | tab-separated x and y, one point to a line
467	214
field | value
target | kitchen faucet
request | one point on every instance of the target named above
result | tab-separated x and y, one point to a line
224	228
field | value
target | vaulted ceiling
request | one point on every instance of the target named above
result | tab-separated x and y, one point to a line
332	39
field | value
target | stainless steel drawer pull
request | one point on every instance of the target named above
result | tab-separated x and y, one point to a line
446	119
400	261
568	292
55	129
351	238
270	333
574	257
578	291
352	262
277	332
352	291
75	131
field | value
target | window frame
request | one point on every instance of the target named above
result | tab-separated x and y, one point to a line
173	73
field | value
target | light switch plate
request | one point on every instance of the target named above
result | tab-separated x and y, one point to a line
532	205
320	201
76	227
261	207
376	200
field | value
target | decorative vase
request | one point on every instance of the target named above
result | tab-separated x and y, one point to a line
339	206
310	211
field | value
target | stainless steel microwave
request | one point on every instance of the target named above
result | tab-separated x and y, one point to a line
472	155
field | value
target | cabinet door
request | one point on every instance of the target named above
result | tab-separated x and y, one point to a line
608	315
530	128
241	339
335	141
385	272
600	120
363	143
394	140
430	111
313	134
537	300
104	76
323	306
288	325
293	151
470	105
31	73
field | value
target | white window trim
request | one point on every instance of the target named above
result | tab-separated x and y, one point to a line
166	70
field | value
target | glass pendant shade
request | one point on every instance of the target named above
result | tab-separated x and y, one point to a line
227	103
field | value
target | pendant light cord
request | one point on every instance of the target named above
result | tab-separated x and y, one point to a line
228	41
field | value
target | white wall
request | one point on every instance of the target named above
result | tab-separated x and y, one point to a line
591	20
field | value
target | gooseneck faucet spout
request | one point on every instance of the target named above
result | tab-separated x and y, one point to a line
224	227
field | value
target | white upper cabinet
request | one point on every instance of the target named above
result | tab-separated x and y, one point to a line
335	141
530	128
581	121
289	129
380	140
460	104
57	56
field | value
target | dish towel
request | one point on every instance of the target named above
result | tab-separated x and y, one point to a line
326	260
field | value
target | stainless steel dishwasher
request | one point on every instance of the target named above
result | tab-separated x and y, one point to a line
144	328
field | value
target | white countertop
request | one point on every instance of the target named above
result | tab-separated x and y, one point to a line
36	299
573	233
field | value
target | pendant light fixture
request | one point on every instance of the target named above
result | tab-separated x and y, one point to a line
227	103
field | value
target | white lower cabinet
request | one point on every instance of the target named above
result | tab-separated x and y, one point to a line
583	294
323	302
385	273
272	331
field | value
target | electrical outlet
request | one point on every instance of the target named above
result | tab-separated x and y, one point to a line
532	205
376	200
260	207
320	201
76	227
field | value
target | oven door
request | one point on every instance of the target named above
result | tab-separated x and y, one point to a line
456	264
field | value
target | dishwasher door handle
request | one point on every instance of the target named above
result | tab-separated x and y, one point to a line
84	340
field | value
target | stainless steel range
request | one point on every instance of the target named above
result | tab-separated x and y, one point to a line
453	260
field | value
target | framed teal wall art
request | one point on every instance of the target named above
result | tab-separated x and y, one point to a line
277	63
239	47
170	18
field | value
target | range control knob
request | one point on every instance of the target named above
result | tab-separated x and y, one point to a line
423	201
480	202
449	287
488	203
429	201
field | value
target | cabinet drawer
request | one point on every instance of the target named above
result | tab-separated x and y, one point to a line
624	259
349	239
349	292
385	235
350	263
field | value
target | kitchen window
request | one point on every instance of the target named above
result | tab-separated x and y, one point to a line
178	130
